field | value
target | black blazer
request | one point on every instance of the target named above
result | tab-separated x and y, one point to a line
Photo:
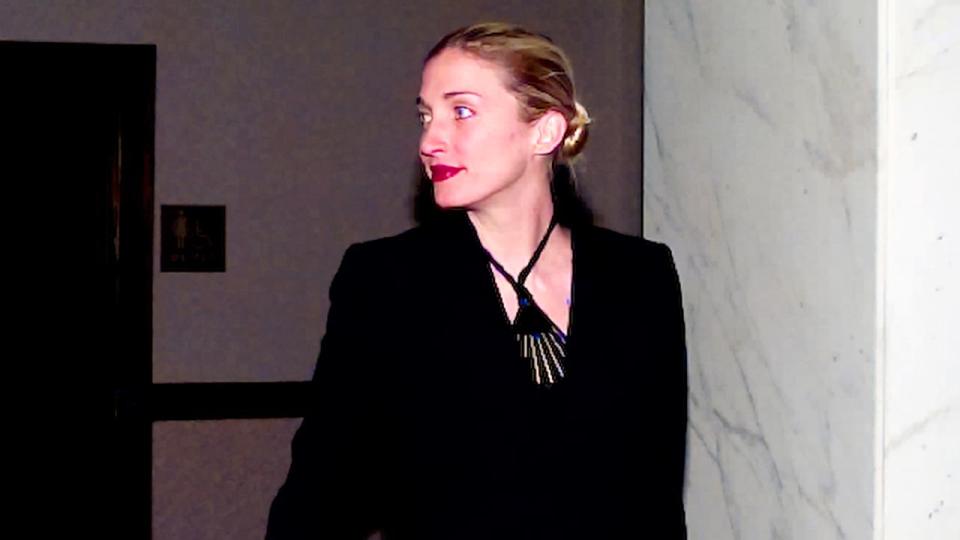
426	423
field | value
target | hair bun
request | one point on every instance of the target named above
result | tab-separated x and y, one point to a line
577	131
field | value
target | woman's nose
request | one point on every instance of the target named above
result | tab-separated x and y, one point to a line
433	142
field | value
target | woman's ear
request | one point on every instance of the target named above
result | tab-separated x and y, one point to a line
549	130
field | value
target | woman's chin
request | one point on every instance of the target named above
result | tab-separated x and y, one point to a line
447	199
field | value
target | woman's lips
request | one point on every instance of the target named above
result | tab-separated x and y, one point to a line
439	173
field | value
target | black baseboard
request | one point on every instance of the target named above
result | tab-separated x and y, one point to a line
215	401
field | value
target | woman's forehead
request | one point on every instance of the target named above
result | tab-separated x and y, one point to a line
457	72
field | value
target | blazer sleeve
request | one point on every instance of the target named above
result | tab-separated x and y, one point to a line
331	491
674	365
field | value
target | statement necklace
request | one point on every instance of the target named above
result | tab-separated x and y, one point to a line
541	341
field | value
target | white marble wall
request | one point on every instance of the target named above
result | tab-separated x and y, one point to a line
921	181
760	172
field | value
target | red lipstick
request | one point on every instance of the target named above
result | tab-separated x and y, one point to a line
439	173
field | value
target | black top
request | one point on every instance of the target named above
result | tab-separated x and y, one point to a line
427	425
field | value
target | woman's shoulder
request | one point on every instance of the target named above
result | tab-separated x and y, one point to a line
385	247
623	264
398	256
609	243
448	236
414	240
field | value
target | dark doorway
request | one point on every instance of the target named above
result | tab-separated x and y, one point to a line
81	118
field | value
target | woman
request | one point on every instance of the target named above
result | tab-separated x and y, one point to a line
507	370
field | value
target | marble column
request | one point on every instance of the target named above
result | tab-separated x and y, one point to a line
770	168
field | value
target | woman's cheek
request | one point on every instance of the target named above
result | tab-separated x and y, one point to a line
472	142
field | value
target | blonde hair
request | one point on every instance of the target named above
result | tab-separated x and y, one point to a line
538	73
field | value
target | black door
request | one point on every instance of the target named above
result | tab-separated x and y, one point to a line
78	166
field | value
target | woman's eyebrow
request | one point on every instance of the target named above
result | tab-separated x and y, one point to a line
447	95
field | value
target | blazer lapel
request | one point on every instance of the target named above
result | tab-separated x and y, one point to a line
594	345
468	308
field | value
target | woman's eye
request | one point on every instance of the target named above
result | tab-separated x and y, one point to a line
461	112
423	117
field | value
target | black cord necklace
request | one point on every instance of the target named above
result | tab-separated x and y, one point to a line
540	340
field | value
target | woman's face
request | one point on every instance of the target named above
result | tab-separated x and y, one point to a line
474	146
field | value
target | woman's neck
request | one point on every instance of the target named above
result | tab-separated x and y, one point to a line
511	230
